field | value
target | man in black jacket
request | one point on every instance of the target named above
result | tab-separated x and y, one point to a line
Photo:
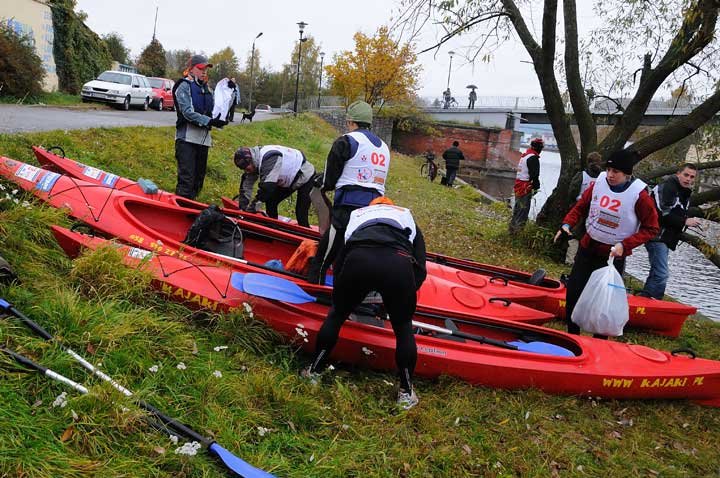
452	157
672	198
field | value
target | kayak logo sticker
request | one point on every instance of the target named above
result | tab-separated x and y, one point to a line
47	182
666	382
110	179
92	173
27	172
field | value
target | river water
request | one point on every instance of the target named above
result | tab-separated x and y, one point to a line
694	280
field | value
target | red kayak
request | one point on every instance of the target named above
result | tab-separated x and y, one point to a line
542	293
162	227
484	351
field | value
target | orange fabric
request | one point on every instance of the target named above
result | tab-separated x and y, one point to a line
382	200
299	262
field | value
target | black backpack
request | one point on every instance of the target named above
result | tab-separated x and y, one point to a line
213	231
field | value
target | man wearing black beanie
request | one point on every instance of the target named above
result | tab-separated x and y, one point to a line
621	216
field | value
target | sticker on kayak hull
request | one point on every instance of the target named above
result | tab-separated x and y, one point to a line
47	182
27	172
110	179
137	253
93	173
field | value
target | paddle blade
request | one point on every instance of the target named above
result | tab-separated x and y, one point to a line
276	288
236	280
542	348
237	465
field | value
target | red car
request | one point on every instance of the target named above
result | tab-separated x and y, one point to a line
162	93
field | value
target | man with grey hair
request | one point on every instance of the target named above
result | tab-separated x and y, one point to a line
281	171
193	104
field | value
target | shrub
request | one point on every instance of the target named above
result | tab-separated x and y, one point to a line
21	70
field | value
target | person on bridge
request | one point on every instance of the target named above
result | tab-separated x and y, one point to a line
472	97
194	103
578	184
356	169
452	156
527	184
672	199
281	171
447	97
384	252
620	217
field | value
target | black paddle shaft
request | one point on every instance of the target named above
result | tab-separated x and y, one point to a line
5	306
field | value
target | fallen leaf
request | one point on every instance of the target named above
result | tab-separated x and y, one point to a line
68	433
292	426
159	450
504	421
90	349
466	449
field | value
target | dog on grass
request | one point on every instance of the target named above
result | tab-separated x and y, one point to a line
247	116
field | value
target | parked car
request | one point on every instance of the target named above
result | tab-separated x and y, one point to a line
264	108
118	88
162	93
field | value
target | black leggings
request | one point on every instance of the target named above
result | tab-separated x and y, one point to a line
302	203
585	264
388	272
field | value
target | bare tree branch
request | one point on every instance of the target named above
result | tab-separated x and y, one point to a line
706	249
705	197
658	173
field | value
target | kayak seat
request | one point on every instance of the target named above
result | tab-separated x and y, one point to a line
213	231
537	277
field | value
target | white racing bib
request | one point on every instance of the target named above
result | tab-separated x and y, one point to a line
368	167
612	217
290	163
395	216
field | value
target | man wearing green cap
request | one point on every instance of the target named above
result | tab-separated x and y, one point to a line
356	169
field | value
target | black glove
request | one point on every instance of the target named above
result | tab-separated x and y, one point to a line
217	122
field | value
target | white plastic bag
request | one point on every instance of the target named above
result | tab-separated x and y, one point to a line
603	306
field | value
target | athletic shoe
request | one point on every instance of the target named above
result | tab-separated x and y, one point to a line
407	400
312	377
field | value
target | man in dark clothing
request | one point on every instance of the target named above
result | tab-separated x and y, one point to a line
620	217
452	157
384	252
472	97
672	199
281	171
578	184
527	183
356	169
194	104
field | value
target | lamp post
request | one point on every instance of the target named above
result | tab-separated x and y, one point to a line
322	57
451	53
301	27
252	78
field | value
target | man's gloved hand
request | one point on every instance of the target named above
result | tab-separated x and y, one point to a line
217	122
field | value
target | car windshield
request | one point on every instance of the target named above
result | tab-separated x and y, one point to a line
114	77
156	82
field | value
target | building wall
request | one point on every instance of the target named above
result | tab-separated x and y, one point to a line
484	148
34	18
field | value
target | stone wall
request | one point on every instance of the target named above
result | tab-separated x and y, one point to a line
484	148
382	127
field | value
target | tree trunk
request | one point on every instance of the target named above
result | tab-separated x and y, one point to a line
658	173
706	249
705	197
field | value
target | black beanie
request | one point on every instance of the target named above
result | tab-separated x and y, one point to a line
623	160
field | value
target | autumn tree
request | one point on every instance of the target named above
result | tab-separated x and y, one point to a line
379	68
225	65
118	51
639	49
152	59
309	70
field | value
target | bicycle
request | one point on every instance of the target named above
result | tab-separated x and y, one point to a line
429	169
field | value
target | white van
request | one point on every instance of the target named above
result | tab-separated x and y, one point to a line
119	88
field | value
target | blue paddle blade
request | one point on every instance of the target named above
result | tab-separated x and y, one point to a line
276	288
542	348
329	280
236	280
237	465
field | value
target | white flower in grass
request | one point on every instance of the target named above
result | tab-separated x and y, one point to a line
16	201
26	205
154	368
60	400
262	431
301	332
389	384
248	307
174	439
181	366
2	188
74	415
14	191
330	367
217	373
189	449
219	348
367	351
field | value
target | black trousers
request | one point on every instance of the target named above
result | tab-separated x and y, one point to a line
302	203
450	175
191	167
390	273
585	264
330	243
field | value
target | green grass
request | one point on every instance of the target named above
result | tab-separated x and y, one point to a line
55	98
347	426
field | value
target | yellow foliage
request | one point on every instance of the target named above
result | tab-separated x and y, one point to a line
378	69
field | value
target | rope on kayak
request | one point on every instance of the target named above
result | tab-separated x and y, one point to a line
189	266
79	188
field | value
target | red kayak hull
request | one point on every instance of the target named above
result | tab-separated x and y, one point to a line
600	368
162	227
661	317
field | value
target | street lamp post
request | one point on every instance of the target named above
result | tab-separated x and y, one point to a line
301	27
451	53
252	78
322	57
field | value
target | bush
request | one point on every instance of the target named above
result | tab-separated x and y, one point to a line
21	70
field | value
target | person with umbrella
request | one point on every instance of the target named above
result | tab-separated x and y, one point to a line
472	97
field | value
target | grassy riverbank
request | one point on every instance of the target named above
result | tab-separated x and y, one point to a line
258	407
